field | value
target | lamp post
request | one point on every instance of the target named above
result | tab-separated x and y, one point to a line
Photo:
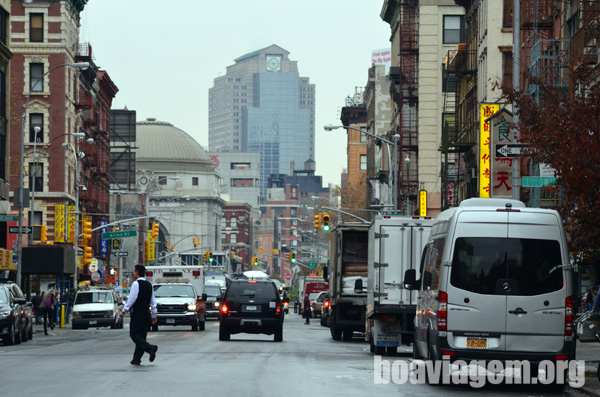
395	165
81	66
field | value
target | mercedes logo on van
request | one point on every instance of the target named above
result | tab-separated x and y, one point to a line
506	287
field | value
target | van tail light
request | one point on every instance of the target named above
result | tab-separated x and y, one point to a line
326	304
278	307
149	274
442	313
569	316
224	308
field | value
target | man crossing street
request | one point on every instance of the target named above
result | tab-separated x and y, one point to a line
142	305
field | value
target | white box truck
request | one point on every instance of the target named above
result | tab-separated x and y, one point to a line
395	245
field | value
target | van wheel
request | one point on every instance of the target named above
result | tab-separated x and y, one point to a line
114	325
416	355
371	344
224	334
195	327
202	325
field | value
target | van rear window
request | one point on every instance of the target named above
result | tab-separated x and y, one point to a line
249	290
529	266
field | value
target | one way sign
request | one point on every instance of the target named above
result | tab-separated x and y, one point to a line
24	229
509	150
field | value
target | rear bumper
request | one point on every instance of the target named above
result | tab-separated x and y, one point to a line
93	322
263	325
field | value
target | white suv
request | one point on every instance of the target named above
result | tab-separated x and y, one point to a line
97	307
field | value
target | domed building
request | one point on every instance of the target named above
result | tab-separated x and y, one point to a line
182	187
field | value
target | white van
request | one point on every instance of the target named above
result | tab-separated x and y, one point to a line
495	284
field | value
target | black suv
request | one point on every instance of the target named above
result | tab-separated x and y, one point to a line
252	307
16	317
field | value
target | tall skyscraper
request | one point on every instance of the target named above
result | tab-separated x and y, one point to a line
263	105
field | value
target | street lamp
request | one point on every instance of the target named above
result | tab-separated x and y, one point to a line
395	165
79	65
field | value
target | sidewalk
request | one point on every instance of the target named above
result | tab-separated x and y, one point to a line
590	352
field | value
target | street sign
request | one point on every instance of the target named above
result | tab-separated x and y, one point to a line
121	253
9	218
537	181
124	233
96	276
509	150
312	265
93	267
288	276
24	229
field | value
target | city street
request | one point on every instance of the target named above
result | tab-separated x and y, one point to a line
95	362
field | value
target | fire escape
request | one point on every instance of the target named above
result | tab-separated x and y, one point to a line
549	60
404	92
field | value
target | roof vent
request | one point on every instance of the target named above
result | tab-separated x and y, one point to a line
151	119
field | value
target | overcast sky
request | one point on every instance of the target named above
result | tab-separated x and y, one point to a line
164	55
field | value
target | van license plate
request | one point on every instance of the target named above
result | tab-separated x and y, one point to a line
92	322
251	308
476	343
170	321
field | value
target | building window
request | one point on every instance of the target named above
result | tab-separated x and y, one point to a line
36	28
363	137
36	79
363	162
194	181
162	180
507	69
449	83
507	15
36	170
233	238
223	223
454	29
233	223
3	24
36	120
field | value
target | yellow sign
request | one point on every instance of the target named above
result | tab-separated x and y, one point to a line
59	223
6	262
423	203
151	250
487	110
71	218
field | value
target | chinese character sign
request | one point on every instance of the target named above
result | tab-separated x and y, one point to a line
103	242
423	203
71	224
487	109
59	223
502	134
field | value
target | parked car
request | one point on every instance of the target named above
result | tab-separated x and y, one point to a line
214	297
325	311
97	306
253	307
28	318
317	304
13	321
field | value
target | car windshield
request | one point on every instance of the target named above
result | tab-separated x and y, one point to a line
313	296
254	290
174	291
93	297
3	296
483	265
212	290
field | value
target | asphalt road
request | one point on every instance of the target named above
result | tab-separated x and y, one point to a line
95	362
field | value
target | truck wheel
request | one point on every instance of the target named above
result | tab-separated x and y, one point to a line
379	350
195	327
371	344
224	334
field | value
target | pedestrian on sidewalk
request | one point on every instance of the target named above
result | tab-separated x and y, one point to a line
46	306
142	305
306	309
296	304
588	299
37	299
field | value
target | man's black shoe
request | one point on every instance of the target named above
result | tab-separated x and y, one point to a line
135	362
153	350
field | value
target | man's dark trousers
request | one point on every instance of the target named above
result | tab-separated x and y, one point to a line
138	330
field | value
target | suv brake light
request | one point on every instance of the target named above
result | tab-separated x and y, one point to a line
224	308
278	309
569	316
442	313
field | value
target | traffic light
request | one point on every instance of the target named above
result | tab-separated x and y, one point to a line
210	257
195	242
293	260
255	260
116	229
233	254
167	246
318	221
260	250
275	251
289	256
87	255
325	218
116	243
86	229
43	234
205	255
154	230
